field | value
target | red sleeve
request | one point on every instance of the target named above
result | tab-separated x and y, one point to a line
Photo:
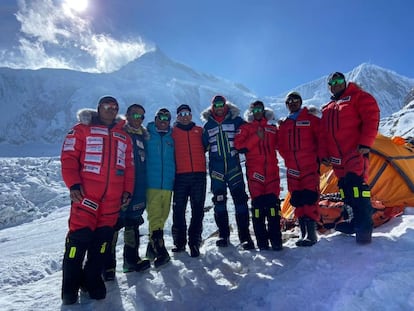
70	156
369	111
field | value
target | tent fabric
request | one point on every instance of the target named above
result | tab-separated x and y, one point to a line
391	178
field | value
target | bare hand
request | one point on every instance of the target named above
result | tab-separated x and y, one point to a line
76	196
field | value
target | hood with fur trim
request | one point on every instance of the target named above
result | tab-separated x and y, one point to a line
268	115
232	112
88	116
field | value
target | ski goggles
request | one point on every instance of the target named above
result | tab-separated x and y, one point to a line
218	104
291	100
110	106
184	113
137	116
334	82
163	117
257	109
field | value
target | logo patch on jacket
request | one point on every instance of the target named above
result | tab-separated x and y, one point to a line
303	123
258	176
119	135
90	204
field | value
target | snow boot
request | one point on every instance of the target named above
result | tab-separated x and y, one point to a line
242	220
108	273
222	221
308	232
259	228
194	250
132	261
75	249
162	257
97	252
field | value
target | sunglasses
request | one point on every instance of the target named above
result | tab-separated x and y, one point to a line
137	116
163	117
111	106
336	81
218	104
292	100
257	109
184	113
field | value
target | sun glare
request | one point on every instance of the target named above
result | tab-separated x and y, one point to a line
77	5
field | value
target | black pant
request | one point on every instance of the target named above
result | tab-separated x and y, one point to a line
193	186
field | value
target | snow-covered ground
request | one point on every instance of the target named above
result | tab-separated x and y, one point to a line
335	274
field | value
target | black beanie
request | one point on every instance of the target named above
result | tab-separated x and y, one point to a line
334	75
183	107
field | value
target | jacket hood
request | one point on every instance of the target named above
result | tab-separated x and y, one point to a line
268	115
88	116
232	112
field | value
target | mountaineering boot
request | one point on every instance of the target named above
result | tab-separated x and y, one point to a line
75	249
302	226
222	221
242	220
194	250
132	261
178	249
108	273
93	282
259	227
273	227
310	228
363	237
162	256
150	253
222	242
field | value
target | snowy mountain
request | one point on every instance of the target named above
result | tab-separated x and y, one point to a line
39	106
388	87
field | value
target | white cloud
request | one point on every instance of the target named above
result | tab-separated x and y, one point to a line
54	37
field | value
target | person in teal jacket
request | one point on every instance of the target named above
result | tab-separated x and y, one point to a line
160	183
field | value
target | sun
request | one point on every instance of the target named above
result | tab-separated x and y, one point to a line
76	5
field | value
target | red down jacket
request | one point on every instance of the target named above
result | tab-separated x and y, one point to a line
347	123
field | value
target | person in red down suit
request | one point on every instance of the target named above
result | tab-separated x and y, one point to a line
258	140
98	168
298	146
349	126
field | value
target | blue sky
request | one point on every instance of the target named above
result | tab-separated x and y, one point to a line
269	46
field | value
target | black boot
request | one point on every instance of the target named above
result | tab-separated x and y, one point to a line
162	256
273	228
302	226
222	221
75	249
93	282
242	221
308	232
259	227
110	260
132	261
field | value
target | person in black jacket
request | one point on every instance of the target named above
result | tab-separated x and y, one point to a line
130	217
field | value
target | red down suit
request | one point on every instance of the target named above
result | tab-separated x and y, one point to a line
261	160
298	146
100	159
